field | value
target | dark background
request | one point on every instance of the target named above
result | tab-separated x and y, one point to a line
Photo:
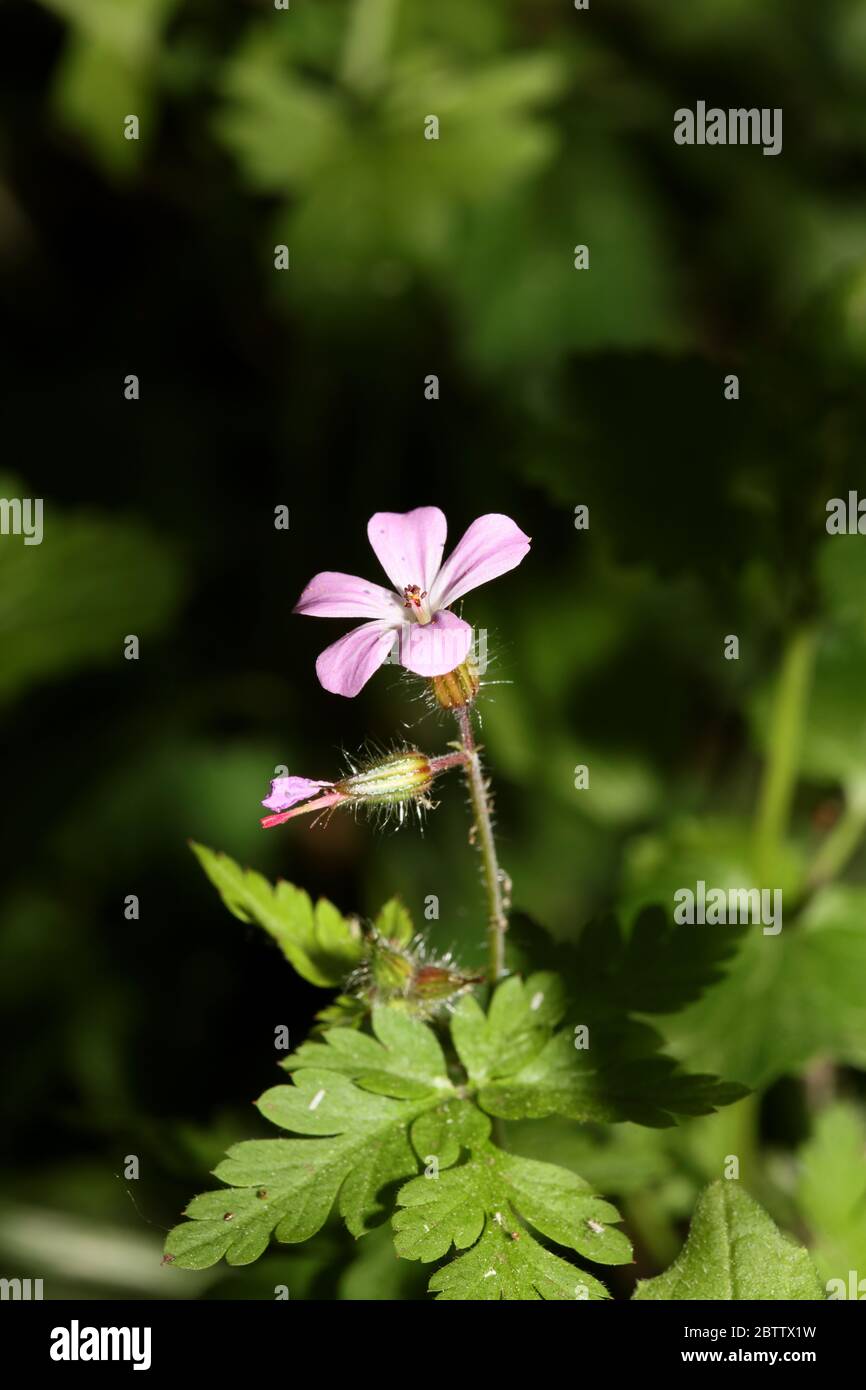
558	388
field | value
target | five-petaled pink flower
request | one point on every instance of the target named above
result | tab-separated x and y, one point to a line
409	547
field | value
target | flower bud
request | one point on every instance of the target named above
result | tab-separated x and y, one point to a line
391	969
407	978
458	688
437	983
390	780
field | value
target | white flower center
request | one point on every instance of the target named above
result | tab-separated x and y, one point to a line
416	605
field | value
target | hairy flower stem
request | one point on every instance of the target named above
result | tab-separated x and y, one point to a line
479	796
447	760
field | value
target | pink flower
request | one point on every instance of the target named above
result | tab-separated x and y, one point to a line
287	792
409	547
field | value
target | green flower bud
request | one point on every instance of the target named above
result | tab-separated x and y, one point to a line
405	978
391	969
390	780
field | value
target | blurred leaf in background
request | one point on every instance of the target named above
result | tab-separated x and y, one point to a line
70	606
373	202
831	1193
107	73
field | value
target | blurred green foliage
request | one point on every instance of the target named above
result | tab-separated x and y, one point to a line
558	388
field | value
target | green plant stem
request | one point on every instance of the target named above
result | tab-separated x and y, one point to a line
839	844
479	796
783	745
368	44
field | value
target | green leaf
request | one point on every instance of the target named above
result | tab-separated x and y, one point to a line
649	1091
445	1132
369	1107
486	1201
500	1268
562	1206
526	1069
394	922
660	965
321	944
65	604
489	1195
734	1252
109	69
831	1192
778	1000
656	966
357	1144
718	850
280	126
841	564
516	1027
786	998
288	1186
404	1060
346	1011
356	193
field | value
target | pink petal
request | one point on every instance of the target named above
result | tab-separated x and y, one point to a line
434	648
347	665
321	803
287	791
409	545
493	545
334	595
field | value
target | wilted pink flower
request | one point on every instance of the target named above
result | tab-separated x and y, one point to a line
288	792
409	547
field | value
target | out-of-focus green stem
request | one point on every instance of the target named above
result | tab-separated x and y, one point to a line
841	842
783	745
368	43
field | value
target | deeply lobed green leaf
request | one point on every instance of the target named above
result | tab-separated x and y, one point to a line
319	942
524	1069
483	1207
